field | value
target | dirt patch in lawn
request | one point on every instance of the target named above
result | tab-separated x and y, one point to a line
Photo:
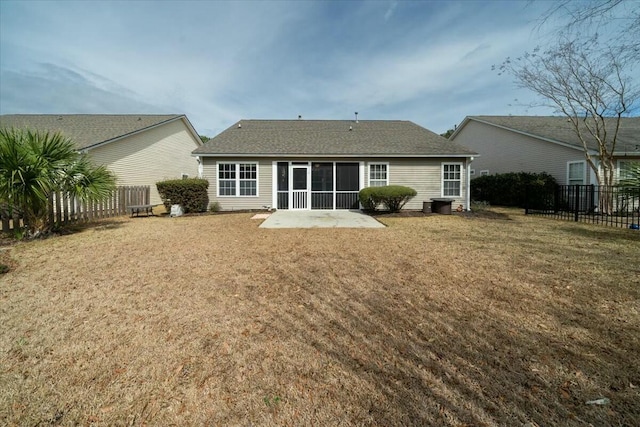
436	320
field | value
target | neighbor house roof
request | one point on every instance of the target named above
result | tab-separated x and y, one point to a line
559	129
326	138
90	130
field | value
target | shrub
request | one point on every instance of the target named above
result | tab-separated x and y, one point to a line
215	207
190	193
393	197
369	198
513	189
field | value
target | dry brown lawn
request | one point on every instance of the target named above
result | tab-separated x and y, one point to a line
440	320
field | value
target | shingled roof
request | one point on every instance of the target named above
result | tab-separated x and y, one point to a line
375	138
560	129
87	130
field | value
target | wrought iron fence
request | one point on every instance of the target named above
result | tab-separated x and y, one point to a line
614	206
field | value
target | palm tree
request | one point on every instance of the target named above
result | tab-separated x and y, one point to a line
631	176
34	165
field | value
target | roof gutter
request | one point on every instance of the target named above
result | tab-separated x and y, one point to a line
272	155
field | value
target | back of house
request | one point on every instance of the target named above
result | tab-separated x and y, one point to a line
322	164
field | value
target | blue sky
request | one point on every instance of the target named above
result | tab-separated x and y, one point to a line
218	62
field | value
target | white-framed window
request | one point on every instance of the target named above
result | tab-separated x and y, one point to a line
378	174
624	168
484	172
238	179
472	172
451	179
577	172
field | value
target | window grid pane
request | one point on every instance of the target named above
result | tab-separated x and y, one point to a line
377	175
226	171
227	188
451	180
237	179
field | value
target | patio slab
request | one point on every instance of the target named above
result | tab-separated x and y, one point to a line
320	219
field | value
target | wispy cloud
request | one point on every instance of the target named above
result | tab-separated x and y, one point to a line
389	13
222	61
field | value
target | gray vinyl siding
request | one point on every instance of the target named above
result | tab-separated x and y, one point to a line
424	176
160	153
502	151
233	203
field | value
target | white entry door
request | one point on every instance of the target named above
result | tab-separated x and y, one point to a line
299	187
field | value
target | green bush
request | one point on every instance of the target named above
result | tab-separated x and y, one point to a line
513	189
189	193
369	198
393	197
215	207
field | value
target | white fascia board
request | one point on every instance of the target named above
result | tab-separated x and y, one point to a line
457	131
355	156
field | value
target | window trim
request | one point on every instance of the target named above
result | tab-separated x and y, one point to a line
386	165
484	172
237	178
584	171
619	167
460	180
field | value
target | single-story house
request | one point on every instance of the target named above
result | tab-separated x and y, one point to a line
541	144
322	164
139	149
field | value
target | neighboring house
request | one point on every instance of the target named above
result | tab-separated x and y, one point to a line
322	164
541	144
139	149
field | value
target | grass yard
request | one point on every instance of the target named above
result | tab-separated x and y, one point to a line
440	320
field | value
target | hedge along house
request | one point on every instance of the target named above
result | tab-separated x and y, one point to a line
139	149
322	164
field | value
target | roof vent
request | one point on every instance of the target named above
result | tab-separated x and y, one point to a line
356	117
239	125
59	117
299	117
350	127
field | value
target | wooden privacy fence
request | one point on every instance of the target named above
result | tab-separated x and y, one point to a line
65	209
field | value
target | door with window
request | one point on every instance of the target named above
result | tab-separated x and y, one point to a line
299	187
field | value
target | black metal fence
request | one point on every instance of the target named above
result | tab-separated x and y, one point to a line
613	206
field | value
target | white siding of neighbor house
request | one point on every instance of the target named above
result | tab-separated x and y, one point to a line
423	175
233	203
502	151
160	153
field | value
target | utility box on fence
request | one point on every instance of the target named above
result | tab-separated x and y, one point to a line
176	210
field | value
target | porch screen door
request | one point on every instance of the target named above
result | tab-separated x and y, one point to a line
300	187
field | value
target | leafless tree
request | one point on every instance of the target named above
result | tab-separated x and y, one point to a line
587	76
621	18
589	84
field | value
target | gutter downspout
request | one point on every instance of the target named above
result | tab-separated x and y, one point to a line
468	165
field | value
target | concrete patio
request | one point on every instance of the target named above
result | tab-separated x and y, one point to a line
320	219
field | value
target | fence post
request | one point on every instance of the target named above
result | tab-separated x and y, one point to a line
526	199
577	204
